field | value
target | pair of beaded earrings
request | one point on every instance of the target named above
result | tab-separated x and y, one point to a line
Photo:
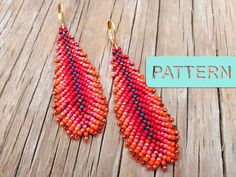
81	108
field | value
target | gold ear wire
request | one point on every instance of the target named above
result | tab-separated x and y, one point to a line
111	31
60	14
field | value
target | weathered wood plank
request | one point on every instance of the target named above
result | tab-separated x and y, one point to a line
22	101
203	149
225	26
228	129
18	43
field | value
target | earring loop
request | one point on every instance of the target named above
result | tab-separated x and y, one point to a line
111	31
60	14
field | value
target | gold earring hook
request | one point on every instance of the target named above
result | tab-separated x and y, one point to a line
60	14
111	31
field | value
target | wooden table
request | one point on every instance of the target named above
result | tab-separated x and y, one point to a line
31	144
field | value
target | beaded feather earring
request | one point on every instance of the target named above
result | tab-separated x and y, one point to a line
79	103
145	124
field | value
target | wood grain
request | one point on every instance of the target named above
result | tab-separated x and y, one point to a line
31	144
